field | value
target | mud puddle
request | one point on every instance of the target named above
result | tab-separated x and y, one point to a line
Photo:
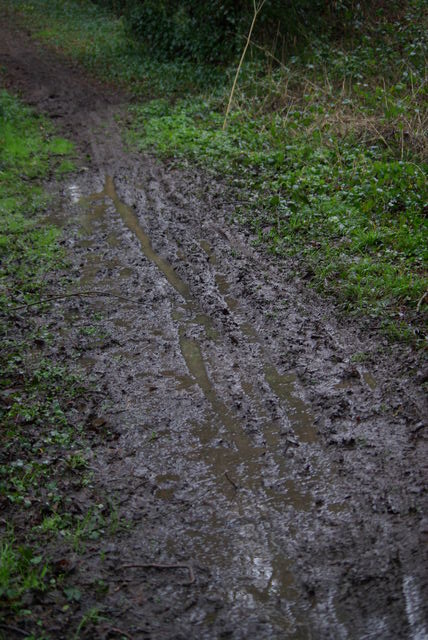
256	469
231	448
251	473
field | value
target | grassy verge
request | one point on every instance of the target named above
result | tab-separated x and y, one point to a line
43	447
352	214
327	150
97	39
330	150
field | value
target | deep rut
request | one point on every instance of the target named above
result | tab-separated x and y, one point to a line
249	413
250	444
241	436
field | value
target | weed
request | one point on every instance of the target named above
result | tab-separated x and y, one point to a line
115	522
77	461
101	587
73	594
89	331
359	357
21	571
90	527
92	616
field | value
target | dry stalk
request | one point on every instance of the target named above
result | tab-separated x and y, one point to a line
119	632
366	127
257	9
20	632
421	301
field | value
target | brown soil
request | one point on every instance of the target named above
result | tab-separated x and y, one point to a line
274	486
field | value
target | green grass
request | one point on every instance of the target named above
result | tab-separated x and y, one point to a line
29	150
99	40
30	387
326	149
43	453
353	215
328	155
20	571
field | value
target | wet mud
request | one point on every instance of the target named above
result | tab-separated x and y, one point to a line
273	478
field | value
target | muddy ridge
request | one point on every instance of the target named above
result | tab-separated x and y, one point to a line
274	480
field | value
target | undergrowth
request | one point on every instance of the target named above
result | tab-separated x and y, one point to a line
327	147
99	40
331	151
353	214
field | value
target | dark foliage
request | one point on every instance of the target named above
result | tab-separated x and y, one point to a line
213	30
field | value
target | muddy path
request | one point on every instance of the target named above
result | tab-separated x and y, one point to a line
269	455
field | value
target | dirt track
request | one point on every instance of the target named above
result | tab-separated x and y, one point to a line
247	444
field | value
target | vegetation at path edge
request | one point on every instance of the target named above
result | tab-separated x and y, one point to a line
325	148
43	450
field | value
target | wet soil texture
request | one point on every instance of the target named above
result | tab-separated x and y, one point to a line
274	483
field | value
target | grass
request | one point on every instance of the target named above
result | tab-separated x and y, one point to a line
353	215
99	40
33	420
326	150
29	151
44	450
329	150
20	571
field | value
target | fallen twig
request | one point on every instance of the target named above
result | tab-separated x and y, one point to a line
234	485
153	565
73	295
8	627
418	306
119	632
